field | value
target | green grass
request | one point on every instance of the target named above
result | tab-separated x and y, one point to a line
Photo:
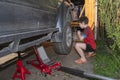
106	62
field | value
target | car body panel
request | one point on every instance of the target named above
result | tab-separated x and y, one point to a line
34	21
27	14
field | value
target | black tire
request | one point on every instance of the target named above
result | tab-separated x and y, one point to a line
64	47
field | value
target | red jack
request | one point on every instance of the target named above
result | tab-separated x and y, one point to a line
21	70
44	68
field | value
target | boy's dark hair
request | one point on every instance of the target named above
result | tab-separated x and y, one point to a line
83	19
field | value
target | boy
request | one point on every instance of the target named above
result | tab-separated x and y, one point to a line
88	43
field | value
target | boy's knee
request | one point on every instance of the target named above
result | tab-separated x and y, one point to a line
76	45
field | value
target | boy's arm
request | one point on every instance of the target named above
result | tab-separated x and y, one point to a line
79	36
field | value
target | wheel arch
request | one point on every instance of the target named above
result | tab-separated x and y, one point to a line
60	22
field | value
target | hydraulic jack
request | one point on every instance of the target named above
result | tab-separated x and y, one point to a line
44	64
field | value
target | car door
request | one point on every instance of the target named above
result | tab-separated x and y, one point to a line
27	14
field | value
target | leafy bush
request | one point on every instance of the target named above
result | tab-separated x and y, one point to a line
109	11
107	61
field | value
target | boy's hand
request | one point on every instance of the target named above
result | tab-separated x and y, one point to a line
79	36
84	36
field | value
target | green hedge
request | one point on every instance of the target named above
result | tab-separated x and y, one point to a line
109	13
108	63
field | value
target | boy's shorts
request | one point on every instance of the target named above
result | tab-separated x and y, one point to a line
89	48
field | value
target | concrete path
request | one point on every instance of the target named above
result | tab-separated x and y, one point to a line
67	61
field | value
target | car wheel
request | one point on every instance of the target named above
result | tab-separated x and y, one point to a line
64	47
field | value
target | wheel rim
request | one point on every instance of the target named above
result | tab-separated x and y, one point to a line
68	36
68	31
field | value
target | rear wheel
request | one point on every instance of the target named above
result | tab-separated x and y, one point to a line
64	47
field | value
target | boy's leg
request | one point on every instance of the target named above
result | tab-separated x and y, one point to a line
90	51
80	47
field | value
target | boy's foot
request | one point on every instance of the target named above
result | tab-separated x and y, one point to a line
90	55
80	61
